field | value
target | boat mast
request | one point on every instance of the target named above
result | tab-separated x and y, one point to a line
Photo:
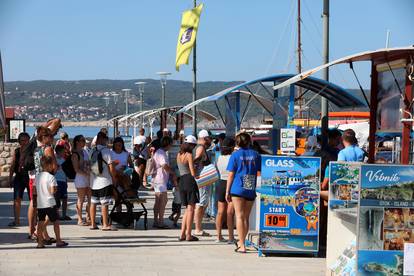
299	63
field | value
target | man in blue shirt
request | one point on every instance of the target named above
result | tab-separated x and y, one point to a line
351	152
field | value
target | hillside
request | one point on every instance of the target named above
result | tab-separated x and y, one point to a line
84	100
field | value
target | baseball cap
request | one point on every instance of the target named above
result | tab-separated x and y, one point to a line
139	140
182	131
165	129
190	139
203	134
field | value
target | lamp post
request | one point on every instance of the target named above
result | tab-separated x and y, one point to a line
163	79
126	90
115	95
141	85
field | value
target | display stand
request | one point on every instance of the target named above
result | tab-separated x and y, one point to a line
289	205
342	218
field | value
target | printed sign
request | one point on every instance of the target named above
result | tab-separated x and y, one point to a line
346	263
289	204
343	185
287	139
408	258
16	126
386	218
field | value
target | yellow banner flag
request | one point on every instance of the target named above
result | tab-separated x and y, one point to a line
187	35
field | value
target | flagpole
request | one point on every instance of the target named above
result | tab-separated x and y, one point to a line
194	112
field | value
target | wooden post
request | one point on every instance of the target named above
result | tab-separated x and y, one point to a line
407	126
373	114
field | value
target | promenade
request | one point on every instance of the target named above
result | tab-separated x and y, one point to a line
132	252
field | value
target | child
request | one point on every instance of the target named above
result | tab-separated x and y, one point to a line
46	186
176	207
61	195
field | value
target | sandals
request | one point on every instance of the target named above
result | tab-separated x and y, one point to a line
94	228
237	250
192	238
40	246
13	224
181	239
63	244
49	241
109	229
202	234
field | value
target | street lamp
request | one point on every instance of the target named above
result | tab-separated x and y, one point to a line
126	90
141	85
163	79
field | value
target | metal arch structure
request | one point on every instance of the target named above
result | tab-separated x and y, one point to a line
334	93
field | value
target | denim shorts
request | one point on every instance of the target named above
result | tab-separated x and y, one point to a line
204	196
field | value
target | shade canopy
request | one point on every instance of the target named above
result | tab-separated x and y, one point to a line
334	93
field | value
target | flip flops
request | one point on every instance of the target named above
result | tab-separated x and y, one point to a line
237	251
109	229
192	239
202	234
94	228
62	244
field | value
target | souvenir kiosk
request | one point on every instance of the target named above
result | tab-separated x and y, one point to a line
371	206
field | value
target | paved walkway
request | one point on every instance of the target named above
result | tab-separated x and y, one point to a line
132	252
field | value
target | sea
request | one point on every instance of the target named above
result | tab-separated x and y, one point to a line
90	132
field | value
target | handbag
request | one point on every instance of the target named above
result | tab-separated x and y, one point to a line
208	176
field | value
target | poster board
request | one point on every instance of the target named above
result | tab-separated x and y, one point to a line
289	204
386	218
15	127
342	218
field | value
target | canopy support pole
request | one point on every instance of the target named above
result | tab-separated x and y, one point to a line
251	93
360	86
219	112
245	109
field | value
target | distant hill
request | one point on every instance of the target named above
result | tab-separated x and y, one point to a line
49	93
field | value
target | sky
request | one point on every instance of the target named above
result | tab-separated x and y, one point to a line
237	40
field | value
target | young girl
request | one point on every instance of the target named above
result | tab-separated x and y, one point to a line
224	208
46	187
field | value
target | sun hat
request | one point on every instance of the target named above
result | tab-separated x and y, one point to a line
203	134
139	140
190	139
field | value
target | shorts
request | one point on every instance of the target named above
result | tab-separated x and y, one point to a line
160	188
62	190
189	193
245	198
50	212
221	190
204	196
21	183
176	208
31	182
102	196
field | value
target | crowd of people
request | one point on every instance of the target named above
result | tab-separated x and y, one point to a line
44	169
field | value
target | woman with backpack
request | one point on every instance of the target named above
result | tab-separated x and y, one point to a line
80	161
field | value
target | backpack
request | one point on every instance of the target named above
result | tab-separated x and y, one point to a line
68	168
97	162
151	167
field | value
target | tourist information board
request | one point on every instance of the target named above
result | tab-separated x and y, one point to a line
386	218
289	204
287	139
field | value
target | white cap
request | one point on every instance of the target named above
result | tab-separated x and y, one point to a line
165	129
182	131
203	134
190	139
139	140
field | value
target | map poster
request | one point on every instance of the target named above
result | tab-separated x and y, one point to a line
343	185
289	204
386	218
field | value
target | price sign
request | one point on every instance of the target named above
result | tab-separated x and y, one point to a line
276	220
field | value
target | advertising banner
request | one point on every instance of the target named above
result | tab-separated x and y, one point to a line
289	204
343	185
386	218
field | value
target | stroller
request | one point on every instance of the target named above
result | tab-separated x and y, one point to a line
128	197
